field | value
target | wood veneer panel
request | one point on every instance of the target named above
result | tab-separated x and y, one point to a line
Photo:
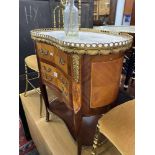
105	79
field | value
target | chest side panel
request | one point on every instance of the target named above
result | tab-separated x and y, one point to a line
105	80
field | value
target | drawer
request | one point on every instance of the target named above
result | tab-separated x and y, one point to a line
46	52
49	73
54	55
49	79
55	77
63	84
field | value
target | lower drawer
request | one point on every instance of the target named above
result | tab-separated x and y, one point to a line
55	77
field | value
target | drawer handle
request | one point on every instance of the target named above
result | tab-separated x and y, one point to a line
51	53
55	74
61	61
44	52
48	77
41	51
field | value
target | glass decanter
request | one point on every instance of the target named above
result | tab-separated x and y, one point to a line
71	26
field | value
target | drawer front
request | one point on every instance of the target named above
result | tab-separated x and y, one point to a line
49	73
52	54
55	76
63	84
46	51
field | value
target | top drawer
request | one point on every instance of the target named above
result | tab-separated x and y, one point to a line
46	52
52	54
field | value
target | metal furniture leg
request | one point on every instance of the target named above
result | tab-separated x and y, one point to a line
26	80
133	77
96	141
129	71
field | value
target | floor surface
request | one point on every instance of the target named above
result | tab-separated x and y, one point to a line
27	147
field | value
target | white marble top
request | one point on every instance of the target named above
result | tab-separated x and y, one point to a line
113	28
89	41
86	37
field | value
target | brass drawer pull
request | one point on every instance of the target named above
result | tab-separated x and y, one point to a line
41	51
51	53
61	61
48	77
44	52
55	74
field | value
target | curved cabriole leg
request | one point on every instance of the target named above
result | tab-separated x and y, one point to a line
41	105
26	80
45	97
47	115
77	125
96	141
79	145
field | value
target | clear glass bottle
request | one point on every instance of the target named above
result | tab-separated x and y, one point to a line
71	26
